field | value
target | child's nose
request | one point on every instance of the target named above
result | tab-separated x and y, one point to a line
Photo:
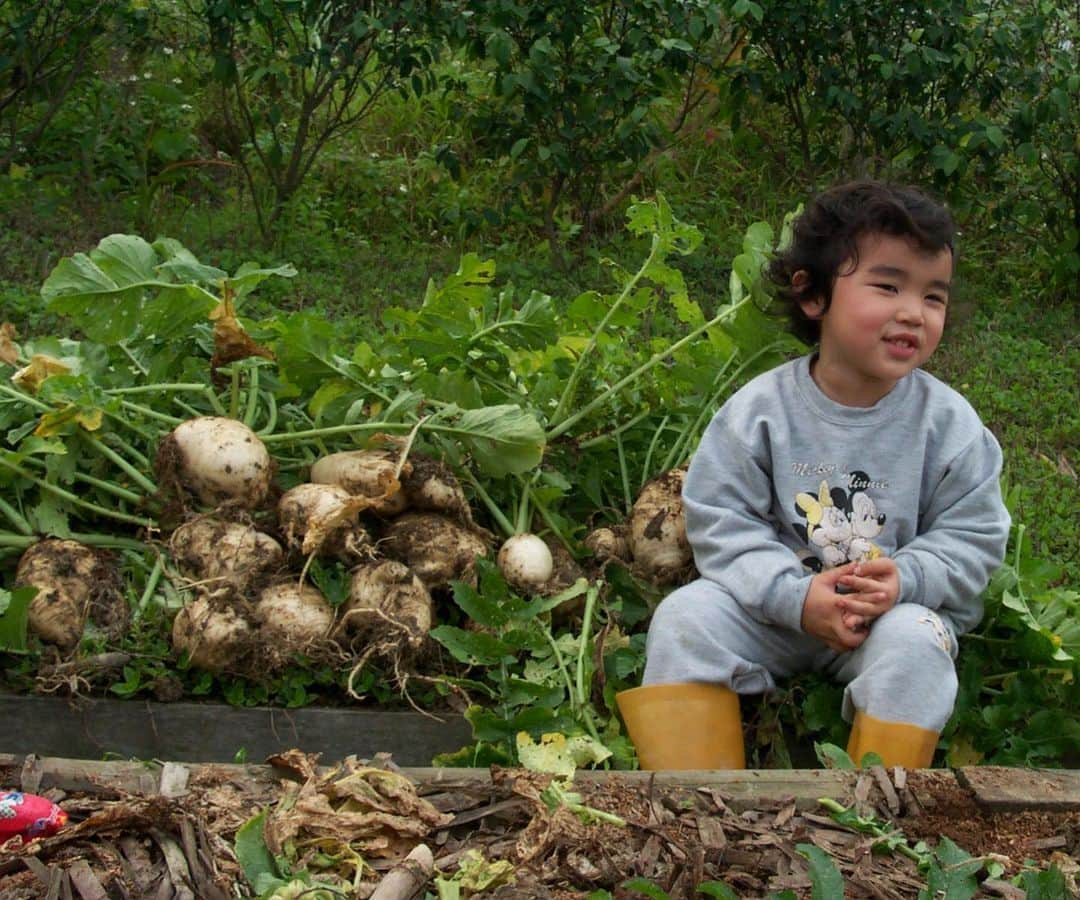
909	309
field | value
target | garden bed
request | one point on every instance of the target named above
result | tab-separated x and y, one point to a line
93	727
171	830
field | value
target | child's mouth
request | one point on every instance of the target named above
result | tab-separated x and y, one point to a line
901	347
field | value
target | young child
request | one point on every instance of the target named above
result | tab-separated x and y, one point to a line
844	508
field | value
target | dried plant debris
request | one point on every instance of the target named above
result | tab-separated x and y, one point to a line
368	827
370	810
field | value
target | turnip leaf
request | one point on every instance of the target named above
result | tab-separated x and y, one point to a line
181	263
250	275
107	291
504	439
14	611
474	648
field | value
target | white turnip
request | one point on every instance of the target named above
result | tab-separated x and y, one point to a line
215	637
437	549
387	604
366	473
526	563
661	552
75	584
217	459
431	487
609	543
292	617
233	554
324	519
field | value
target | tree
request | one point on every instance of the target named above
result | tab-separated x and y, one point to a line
46	46
877	83
580	93
295	75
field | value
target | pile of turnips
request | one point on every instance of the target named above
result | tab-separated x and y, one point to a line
401	524
398	520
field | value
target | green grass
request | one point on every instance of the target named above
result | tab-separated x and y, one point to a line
1017	363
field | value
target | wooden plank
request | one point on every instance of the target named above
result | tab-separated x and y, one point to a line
1000	788
739	789
90	728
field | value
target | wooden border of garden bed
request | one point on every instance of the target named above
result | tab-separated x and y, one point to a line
59	743
93	728
996	788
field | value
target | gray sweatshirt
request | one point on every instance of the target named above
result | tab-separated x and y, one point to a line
787	482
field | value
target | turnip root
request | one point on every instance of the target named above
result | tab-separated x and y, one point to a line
231	553
75	583
323	519
658	543
526	563
292	617
436	548
366	473
219	460
609	544
387	603
432	487
214	636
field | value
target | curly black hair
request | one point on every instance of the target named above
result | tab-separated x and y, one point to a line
826	234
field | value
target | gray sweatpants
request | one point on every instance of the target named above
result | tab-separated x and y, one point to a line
903	672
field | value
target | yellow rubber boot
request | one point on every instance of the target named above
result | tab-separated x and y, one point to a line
684	726
897	743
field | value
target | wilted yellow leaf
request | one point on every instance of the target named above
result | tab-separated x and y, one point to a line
57	422
41	366
9	353
558	754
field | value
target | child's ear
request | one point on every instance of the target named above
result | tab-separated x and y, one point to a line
812	307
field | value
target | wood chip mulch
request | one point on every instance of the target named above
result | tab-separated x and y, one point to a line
180	843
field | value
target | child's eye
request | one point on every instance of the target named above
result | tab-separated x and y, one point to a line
937	298
891	288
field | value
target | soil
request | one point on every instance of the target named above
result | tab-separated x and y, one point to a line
126	843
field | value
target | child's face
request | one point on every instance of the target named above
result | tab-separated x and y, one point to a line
885	318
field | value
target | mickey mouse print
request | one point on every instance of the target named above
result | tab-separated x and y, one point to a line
839	525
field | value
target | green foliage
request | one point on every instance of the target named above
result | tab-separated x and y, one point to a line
127	288
580	92
48	47
1048	884
1023	713
950	873
272	878
525	665
904	98
825	878
14	609
1035	136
